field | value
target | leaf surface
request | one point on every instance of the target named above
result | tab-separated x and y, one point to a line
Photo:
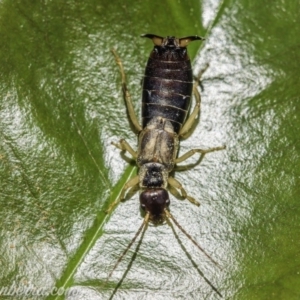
61	107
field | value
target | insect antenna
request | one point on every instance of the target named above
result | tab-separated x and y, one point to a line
170	216
143	226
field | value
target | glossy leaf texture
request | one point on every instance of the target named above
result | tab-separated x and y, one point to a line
61	107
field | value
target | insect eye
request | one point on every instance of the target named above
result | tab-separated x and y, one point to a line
167	202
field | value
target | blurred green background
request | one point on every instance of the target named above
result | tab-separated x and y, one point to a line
61	107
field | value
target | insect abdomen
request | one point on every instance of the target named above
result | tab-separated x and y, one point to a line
167	86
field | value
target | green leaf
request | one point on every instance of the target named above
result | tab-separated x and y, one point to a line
61	107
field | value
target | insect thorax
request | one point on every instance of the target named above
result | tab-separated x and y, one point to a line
157	150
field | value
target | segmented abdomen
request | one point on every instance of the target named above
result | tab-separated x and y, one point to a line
167	89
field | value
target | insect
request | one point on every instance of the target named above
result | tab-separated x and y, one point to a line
167	92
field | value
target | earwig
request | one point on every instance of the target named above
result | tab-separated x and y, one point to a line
167	91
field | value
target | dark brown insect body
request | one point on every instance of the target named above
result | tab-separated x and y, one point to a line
167	91
168	83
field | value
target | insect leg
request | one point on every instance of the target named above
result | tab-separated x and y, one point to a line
126	94
124	146
191	119
176	184
129	184
193	151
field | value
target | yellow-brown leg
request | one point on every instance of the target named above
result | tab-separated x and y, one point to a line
129	184
127	97
124	146
177	185
193	116
193	151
